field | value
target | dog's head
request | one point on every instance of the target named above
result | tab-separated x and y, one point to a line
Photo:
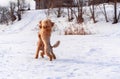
46	24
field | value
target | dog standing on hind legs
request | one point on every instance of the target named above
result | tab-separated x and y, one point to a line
44	40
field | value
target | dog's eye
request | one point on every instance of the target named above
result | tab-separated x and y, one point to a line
40	26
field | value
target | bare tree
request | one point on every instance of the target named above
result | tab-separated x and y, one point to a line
58	5
104	12
18	10
119	15
92	10
4	17
12	11
28	6
48	5
70	10
115	12
79	13
21	5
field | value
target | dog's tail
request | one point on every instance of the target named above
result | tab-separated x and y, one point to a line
56	44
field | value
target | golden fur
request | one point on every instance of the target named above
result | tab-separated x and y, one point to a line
44	40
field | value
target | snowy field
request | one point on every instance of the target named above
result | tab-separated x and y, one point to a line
94	56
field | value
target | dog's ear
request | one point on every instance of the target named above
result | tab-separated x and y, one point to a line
40	26
52	23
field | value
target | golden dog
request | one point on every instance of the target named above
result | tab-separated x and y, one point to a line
44	40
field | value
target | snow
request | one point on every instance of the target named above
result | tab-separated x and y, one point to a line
95	56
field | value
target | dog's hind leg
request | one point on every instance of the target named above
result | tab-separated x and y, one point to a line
50	57
53	55
47	50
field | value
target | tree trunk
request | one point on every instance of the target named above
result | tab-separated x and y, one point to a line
59	12
80	12
93	12
105	13
115	12
18	11
119	16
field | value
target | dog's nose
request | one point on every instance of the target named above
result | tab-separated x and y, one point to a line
45	27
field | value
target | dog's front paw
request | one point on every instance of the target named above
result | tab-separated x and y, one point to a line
36	57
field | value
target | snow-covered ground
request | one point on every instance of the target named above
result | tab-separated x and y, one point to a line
94	56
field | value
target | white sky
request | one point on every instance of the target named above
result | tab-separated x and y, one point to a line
6	2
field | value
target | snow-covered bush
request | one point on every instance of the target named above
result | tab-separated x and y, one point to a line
76	29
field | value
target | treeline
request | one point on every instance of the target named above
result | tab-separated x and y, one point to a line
73	5
12	12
